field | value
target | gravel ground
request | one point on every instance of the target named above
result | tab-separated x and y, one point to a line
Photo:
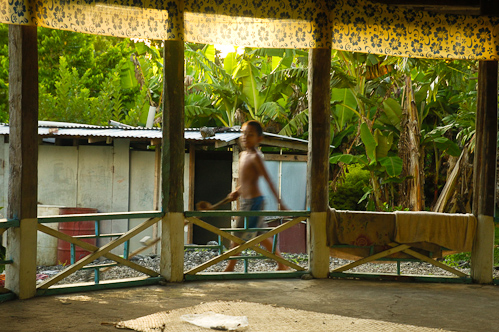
194	257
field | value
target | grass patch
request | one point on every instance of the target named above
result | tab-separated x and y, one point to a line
457	260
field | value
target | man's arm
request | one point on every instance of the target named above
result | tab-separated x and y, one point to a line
235	194
260	166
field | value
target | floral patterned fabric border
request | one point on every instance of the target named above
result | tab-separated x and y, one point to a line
352	25
259	23
365	27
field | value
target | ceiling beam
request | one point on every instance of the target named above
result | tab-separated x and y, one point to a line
468	7
489	7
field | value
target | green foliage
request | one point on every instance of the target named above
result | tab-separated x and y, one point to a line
92	79
349	192
77	77
392	165
4	73
455	260
72	100
464	258
77	49
386	207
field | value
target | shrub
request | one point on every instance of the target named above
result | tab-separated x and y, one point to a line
350	189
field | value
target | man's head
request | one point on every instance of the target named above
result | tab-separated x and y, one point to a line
255	124
252	134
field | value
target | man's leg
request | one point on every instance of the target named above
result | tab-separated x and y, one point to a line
232	262
267	243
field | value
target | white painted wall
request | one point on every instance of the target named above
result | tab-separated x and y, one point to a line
141	190
57	175
108	178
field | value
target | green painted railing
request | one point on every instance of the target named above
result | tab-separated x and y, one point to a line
4	223
100	216
245	258
230	213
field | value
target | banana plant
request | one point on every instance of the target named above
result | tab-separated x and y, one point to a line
273	87
211	92
142	73
380	163
367	116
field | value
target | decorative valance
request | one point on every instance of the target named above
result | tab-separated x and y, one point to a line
352	25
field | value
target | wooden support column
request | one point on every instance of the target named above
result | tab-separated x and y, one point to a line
318	159
484	173
23	160
192	185
173	152
235	174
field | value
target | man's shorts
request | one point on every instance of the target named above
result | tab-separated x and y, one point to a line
252	204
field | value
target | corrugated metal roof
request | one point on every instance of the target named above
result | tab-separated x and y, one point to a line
76	130
65	129
286	138
53	129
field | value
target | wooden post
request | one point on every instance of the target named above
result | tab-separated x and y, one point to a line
173	152
23	160
318	159
484	174
192	183
235	174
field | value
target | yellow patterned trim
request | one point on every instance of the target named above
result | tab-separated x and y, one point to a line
353	25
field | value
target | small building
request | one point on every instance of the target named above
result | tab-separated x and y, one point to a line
116	169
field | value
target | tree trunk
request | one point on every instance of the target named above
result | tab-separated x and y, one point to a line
409	145
452	198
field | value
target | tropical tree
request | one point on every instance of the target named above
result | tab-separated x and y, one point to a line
367	117
444	91
258	84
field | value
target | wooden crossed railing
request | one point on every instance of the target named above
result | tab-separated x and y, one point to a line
96	252
396	247
253	244
154	217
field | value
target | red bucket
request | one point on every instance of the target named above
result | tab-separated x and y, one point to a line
74	228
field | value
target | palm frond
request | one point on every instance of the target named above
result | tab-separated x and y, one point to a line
271	110
287	74
295	125
340	79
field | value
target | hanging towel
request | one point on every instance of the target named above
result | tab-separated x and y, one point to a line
450	230
360	228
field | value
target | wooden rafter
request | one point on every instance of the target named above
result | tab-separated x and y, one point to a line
469	7
98	253
249	244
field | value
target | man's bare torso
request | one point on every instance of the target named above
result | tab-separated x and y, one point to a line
249	174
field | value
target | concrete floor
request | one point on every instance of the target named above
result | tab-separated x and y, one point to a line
451	307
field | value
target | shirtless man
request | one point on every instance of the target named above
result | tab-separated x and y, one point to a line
251	167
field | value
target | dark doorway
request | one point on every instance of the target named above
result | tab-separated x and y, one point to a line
213	181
